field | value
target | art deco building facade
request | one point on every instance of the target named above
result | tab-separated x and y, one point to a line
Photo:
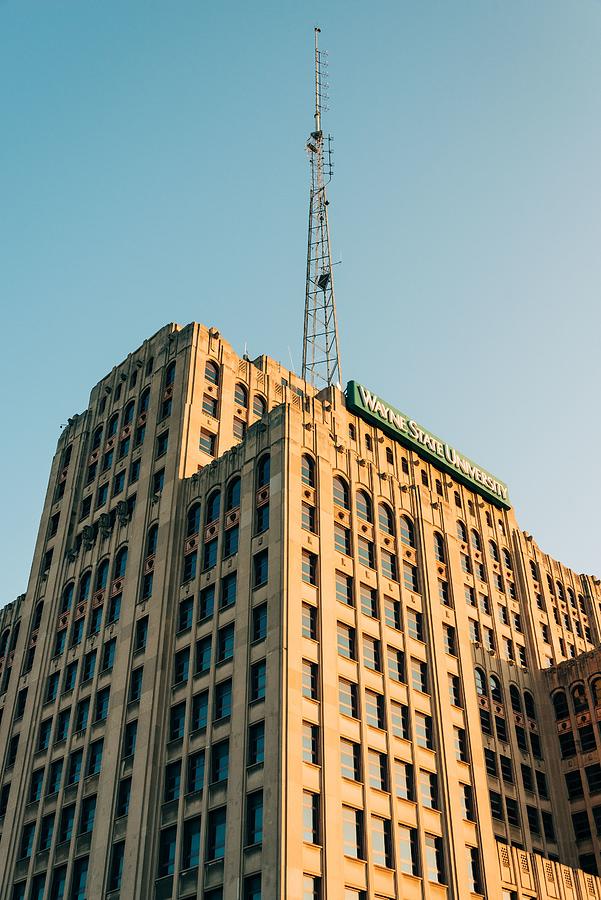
268	649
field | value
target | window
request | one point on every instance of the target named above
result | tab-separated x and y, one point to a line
309	517
374	709
419	675
79	879
114	610
399	716
95	757
216	834
377	770
259	623
206	602
258	676
241	395
350	760
381	842
415	626
403	780
123	795
506	767
309	567
348	701
392	613
396	664
223	700
75	765
200	707
35	786
408	850
203	655
191	843
513	812
341	493
309	624
196	772
88	814
428	789
467	802
263	471
410	577
166	860
102	704
260	569
434	859
225	643
342	539
262	518
256	743
116	870
475	884
308	471
372	656
259	405
407	532
439	549
424	734
364	507
311	743
455	690
254	818
389	564
220	755
209	405
208	442
135	684
310	817
365	552
352	832
239	429
212	372
108	655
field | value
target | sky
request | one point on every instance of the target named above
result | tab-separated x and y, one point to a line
152	169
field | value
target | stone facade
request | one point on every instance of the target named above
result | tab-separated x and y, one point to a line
267	651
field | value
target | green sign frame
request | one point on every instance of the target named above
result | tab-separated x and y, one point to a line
363	402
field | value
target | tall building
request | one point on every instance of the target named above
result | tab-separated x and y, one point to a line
286	644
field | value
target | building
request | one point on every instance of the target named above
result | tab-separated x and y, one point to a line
283	644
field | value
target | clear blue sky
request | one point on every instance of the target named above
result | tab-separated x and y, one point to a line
152	169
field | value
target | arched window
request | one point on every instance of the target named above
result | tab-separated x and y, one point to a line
560	704
14	636
170	374
120	563
341	492
560	590
476	542
407	532
128	413
385	519
572	598
263	471
84	586
213	507
534	570
259	405
308	471
37	616
144	401
232	494
496	691
461	531
516	700
579	698
102	573
494	551
113	425
4	642
212	372
241	395
364	507
193	520
97	437
529	707
439	552
152	538
480	682
67	597
595	690
507	558
550	584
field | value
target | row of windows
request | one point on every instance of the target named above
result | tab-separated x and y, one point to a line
579	697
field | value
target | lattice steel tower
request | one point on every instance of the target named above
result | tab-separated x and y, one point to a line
321	357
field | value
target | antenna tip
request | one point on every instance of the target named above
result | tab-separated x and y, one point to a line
318	29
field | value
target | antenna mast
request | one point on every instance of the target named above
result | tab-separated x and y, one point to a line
321	358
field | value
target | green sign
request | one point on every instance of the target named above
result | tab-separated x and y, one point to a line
406	430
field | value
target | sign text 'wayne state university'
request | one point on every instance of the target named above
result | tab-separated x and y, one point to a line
408	432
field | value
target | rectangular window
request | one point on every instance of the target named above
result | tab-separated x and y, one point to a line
310	817
381	842
410	577
230	541
203	655
309	517
208	442
374	709
311	743
191	843
225	643
348	702
389	565
258	680
309	567
392	613
434	859
408	850
350	760
369	601
419	675
352	832
403	780
206	603
377	770
196	772
365	552
344	588
260	569
309	622
209	555
415	624
220	756
209	405
396	665
372	656
310	684
424	734
399	714
428	789
254	818
455	690
342	539
256	743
